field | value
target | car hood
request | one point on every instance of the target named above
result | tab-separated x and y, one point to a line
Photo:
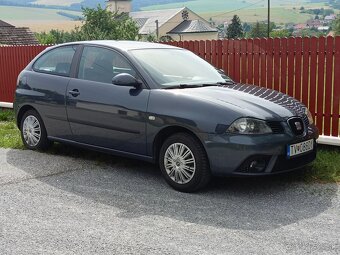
250	100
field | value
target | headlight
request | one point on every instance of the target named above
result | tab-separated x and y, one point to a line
310	116
249	126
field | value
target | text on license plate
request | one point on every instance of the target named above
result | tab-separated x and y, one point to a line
300	148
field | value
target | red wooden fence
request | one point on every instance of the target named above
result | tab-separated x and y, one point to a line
306	68
13	59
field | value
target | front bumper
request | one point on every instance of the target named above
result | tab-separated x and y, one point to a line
229	154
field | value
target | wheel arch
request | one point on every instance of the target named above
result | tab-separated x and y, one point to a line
165	133
22	111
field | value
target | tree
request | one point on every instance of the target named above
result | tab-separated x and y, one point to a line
151	38
98	24
166	38
259	30
309	33
102	24
45	38
336	26
280	33
246	27
235	29
327	12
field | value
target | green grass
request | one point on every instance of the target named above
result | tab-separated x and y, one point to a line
325	169
9	133
6	115
327	166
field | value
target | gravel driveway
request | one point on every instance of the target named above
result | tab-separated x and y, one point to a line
57	204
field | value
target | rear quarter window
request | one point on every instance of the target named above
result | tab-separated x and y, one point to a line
57	61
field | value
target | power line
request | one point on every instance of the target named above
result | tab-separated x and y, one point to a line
268	19
245	7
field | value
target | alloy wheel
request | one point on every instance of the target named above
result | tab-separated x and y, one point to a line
180	163
31	131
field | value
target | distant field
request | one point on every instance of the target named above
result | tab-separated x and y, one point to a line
222	10
278	15
37	26
38	19
20	14
202	6
59	2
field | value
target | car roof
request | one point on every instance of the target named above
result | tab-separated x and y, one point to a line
126	45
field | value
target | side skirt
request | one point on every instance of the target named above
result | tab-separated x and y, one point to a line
104	150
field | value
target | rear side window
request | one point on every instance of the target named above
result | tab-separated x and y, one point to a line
57	61
101	65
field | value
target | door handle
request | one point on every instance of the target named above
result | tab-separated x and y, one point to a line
74	92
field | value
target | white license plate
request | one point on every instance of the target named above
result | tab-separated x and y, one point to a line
300	148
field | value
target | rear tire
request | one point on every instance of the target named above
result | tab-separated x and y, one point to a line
33	131
184	163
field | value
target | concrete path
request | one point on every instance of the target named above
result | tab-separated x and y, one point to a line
58	204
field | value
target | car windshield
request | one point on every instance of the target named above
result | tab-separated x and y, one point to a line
176	67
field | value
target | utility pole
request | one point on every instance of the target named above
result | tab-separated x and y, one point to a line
157	29
268	18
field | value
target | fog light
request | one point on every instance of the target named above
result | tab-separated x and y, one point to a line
257	166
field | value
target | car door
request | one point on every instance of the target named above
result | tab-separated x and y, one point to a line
103	114
49	80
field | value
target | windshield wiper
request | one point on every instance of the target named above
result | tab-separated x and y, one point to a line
184	86
220	84
227	83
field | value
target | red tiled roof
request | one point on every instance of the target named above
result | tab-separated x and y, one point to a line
300	26
17	36
5	24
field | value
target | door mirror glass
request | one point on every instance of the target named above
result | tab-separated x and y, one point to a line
126	80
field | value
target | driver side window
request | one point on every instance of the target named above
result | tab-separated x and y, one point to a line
101	65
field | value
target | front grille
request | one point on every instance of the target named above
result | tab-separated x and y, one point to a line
297	126
283	163
276	127
305	120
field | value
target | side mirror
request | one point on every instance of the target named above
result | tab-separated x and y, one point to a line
126	80
221	71
223	75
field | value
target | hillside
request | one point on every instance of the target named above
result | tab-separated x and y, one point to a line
44	15
249	10
223	5
10	14
77	4
200	6
65	4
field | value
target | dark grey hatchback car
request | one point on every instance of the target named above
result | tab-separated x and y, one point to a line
161	104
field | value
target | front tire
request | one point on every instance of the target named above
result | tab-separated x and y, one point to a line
184	163
33	132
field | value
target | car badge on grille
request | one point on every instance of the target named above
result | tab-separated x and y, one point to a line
298	126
